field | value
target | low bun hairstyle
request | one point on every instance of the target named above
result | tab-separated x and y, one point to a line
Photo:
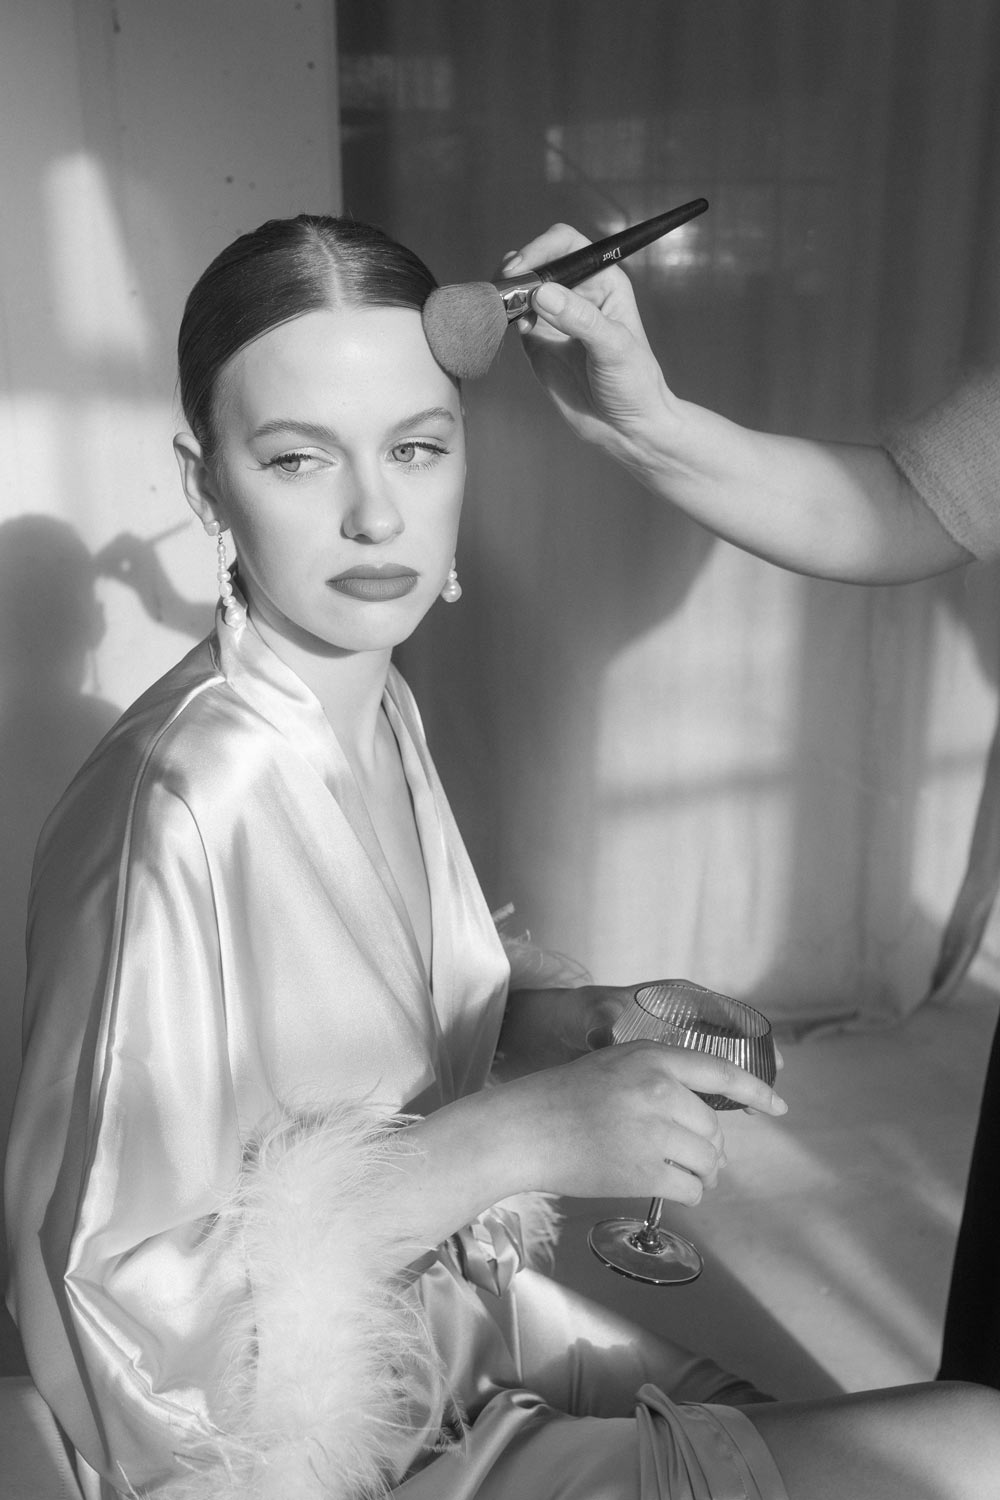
277	272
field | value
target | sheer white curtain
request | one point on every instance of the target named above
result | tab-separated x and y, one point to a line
670	756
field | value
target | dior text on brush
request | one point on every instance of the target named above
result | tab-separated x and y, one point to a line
465	322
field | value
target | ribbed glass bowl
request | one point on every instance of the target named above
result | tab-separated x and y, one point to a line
681	1014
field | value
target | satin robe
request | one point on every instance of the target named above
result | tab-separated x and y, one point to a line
213	933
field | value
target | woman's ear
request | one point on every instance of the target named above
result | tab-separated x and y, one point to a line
197	479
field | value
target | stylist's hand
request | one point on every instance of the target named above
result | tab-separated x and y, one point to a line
626	1121
589	350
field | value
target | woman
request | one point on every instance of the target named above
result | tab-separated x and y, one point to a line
256	1177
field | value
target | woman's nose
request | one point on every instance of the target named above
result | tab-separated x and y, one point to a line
372	515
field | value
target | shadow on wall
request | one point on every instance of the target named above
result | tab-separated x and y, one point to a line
51	625
901	945
51	622
565	562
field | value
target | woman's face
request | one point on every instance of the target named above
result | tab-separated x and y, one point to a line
340	469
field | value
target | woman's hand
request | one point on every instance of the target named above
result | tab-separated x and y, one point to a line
626	1121
618	1122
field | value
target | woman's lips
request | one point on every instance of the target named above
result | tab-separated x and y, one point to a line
374	584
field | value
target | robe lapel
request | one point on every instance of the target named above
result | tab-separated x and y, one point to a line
283	699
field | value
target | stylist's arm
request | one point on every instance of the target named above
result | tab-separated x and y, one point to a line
836	510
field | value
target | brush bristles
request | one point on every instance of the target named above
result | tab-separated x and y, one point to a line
465	325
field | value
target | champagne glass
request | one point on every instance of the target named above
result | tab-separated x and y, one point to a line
680	1014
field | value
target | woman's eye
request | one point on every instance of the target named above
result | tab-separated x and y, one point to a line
291	463
406	453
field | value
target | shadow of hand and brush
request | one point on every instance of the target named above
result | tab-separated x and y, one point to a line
134	561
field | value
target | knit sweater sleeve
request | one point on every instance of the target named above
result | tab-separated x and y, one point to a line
951	456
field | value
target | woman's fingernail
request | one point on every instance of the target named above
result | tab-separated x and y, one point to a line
511	260
550	297
777	1106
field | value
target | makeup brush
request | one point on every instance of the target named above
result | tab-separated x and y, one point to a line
465	323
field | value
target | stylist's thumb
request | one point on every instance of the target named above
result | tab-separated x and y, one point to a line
575	317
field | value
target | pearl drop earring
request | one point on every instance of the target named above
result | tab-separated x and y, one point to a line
232	610
452	590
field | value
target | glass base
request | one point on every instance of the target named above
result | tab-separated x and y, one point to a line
650	1255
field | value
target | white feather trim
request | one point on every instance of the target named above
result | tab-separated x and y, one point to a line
335	1383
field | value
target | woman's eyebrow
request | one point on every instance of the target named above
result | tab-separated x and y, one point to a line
320	433
315	430
430	414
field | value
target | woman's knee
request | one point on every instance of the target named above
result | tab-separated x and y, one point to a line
935	1441
976	1406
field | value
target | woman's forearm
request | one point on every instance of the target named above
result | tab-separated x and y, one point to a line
464	1158
618	1122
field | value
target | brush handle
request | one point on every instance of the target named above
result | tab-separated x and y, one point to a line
571	269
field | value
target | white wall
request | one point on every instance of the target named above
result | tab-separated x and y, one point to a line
139	138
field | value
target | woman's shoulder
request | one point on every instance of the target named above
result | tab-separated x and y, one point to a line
169	709
164	745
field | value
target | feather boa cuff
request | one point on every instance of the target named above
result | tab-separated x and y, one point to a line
334	1382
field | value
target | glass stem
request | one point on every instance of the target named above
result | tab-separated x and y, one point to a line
648	1237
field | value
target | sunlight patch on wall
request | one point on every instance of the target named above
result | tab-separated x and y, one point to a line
95	288
31	427
105	466
696	810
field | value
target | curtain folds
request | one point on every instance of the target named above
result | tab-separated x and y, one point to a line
673	758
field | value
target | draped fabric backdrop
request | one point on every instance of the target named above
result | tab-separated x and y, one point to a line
672	757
